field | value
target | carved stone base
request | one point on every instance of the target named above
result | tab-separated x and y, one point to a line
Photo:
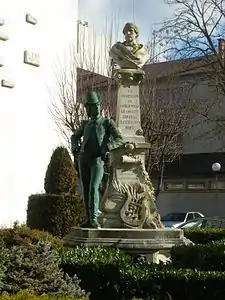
129	201
129	76
135	241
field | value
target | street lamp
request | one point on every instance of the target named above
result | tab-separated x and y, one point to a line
216	167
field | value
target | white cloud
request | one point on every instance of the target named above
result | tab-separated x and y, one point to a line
146	14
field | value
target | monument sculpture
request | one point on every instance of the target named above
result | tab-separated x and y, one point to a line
129	54
130	219
93	152
130	199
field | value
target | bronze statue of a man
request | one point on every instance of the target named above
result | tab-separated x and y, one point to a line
129	54
97	132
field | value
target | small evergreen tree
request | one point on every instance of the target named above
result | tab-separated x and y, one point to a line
61	207
36	268
61	177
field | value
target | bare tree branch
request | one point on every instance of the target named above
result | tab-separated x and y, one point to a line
195	33
166	112
73	81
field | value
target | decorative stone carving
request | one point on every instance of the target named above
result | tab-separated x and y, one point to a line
130	191
32	58
129	77
7	84
31	19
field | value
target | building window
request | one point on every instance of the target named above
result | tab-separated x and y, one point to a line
196	185
173	186
217	185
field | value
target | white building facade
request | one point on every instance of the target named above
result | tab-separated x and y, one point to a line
34	34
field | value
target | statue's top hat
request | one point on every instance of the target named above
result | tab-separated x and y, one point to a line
92	98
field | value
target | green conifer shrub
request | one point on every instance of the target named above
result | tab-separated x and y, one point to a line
60	177
36	268
61	207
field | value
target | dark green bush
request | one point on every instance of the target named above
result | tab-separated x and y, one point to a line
61	207
20	235
55	213
204	235
36	268
111	274
61	177
3	258
26	295
208	257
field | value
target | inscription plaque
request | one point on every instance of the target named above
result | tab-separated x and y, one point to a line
128	177
32	58
128	110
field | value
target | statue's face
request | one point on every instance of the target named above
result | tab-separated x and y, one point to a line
130	35
93	110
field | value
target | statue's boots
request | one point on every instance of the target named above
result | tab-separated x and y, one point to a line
91	223
94	218
95	224
86	224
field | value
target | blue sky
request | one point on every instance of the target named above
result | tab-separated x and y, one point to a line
147	14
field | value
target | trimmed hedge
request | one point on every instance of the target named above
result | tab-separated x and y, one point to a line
21	235
111	274
55	213
26	295
208	257
204	235
61	207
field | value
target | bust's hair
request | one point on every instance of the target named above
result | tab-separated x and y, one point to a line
131	25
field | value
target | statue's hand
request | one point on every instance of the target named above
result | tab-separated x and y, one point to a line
105	157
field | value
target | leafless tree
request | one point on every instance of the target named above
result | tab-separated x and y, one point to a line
73	80
195	33
166	112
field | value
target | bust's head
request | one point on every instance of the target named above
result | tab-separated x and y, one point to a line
130	32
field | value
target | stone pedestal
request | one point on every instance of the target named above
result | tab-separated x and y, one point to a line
129	201
146	242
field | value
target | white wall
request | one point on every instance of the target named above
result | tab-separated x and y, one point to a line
209	203
28	133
